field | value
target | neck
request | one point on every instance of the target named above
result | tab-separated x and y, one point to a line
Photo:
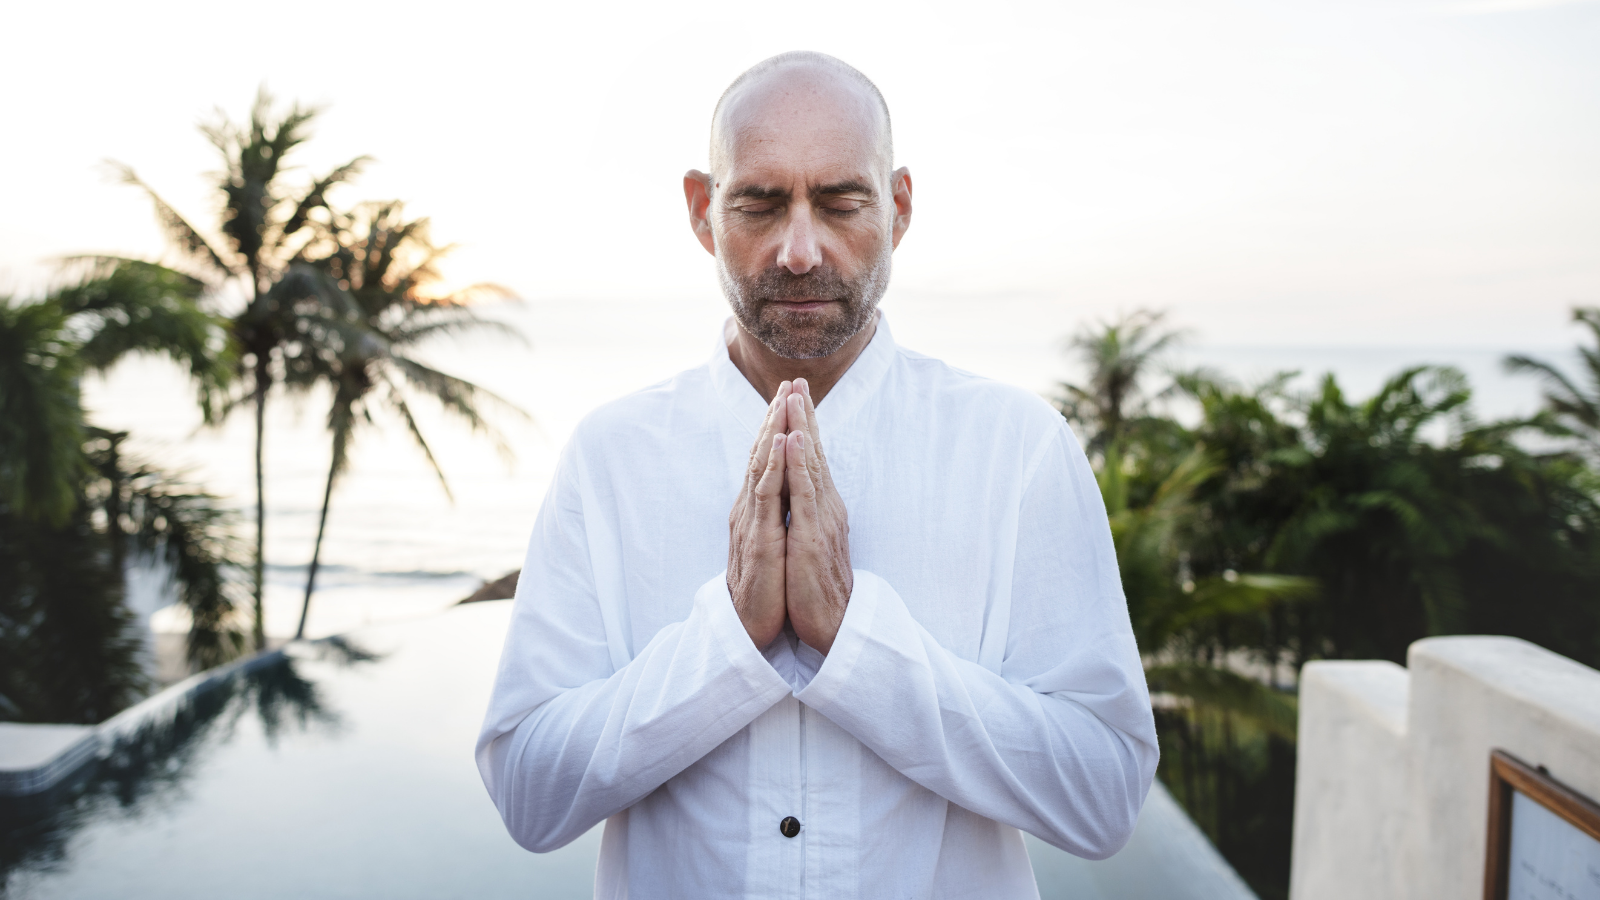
766	370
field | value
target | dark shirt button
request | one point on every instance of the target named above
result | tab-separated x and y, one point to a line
789	827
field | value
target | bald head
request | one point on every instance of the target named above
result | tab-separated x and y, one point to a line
801	208
778	93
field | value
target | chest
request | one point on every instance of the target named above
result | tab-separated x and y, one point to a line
932	514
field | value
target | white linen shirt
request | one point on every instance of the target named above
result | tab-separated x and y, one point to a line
984	678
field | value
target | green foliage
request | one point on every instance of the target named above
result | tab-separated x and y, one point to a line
1571	409
67	649
71	508
186	530
128	306
1119	356
1236	781
41	422
1281	527
1219	690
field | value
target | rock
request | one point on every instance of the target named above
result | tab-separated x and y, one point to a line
502	588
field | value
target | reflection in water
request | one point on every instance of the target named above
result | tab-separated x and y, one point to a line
333	775
149	765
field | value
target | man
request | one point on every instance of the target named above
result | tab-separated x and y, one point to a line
906	641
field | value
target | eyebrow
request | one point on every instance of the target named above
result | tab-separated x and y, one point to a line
757	192
763	192
848	186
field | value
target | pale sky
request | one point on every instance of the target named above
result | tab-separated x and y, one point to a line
1412	172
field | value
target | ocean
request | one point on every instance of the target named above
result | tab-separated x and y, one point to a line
398	548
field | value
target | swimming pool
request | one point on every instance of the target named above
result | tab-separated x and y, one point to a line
344	770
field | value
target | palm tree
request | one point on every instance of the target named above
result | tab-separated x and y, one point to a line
1150	473
71	505
1375	514
386	264
1369	523
1571	409
266	229
1119	356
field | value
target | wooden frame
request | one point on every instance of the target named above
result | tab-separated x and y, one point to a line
1506	774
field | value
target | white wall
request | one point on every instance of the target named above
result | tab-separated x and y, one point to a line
1391	794
1349	832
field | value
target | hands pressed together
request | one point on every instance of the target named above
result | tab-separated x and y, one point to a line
788	533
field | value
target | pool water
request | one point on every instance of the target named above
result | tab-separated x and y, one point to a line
345	770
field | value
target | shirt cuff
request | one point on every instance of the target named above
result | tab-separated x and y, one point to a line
713	605
873	608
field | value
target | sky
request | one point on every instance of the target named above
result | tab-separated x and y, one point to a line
1351	173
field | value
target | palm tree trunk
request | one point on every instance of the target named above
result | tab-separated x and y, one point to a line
259	631
316	549
119	538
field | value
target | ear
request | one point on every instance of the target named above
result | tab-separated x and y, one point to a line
697	191
901	185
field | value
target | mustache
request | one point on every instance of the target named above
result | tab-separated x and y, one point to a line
778	283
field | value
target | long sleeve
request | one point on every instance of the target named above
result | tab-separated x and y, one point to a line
570	737
1061	742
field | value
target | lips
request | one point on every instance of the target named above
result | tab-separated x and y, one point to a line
804	305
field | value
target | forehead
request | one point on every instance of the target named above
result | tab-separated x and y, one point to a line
800	123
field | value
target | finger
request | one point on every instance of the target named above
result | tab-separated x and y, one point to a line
774	409
815	464
776	422
809	411
769	486
760	456
802	487
780	409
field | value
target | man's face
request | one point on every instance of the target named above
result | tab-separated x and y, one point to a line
802	211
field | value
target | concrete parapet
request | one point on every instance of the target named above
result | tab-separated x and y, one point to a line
1391	791
1350	815
1471	695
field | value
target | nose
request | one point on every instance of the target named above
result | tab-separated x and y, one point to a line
800	252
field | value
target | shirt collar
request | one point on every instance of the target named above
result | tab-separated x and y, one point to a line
739	396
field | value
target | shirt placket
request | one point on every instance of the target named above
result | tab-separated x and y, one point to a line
775	864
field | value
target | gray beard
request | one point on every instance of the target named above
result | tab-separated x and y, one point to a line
807	335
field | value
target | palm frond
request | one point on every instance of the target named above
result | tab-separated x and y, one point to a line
460	398
191	533
317	197
186	237
1561	395
398	401
1230	594
410	333
342	416
1225	691
41	415
473	294
130	306
1119	356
